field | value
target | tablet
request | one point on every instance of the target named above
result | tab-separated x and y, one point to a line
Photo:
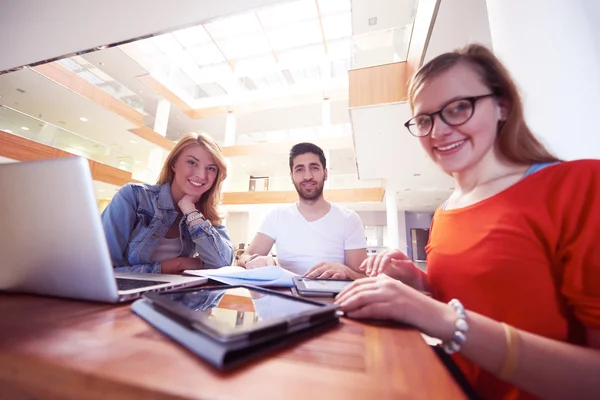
320	287
242	313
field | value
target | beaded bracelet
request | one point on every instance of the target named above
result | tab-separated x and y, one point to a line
459	337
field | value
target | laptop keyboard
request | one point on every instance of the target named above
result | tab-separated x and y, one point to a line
130	284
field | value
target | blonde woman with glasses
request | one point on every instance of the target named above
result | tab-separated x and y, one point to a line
174	225
513	264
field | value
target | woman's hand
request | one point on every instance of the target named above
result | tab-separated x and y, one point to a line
187	203
397	265
180	264
386	298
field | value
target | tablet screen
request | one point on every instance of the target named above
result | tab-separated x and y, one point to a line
325	285
238	308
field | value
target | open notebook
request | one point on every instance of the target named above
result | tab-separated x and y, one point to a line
267	276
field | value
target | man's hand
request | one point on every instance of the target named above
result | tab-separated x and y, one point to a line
331	270
259	262
180	264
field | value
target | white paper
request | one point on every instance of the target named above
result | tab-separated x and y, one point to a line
273	276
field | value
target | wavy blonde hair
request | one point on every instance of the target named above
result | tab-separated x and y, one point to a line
209	202
514	139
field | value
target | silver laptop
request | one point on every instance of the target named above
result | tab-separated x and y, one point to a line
52	241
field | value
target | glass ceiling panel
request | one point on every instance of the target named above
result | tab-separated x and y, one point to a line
238	25
167	44
305	75
244	46
193	36
215	72
233	86
275	46
206	54
212	89
288	13
295	35
250	66
308	55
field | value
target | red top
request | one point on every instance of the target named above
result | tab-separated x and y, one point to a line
528	256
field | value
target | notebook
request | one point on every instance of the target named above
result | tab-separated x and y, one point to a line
273	276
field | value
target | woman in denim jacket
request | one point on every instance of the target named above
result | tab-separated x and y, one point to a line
161	228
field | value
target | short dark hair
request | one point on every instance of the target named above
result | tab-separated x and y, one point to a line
303	148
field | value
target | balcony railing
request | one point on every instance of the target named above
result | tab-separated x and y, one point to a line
284	183
380	47
26	126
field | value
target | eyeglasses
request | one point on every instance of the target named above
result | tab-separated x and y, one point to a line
455	113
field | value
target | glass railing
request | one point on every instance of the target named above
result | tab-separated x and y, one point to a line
100	79
282	183
26	126
380	47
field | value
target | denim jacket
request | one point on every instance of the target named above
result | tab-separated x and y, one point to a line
137	219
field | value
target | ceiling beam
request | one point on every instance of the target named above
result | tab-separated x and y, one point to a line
147	133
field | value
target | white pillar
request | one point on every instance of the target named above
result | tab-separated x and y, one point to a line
149	174
161	122
552	49
391	209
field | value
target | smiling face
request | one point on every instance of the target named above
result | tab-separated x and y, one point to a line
308	176
459	148
195	171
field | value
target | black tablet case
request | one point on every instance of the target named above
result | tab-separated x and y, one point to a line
224	356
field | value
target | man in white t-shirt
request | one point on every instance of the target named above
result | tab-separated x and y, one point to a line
314	238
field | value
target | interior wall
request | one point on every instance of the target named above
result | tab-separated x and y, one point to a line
37	30
554	60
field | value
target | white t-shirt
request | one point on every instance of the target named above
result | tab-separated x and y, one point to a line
302	244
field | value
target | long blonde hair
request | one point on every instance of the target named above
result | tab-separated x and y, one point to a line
515	140
211	199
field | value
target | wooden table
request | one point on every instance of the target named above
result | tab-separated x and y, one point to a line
62	349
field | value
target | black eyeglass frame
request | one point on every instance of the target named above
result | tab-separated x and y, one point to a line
471	99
